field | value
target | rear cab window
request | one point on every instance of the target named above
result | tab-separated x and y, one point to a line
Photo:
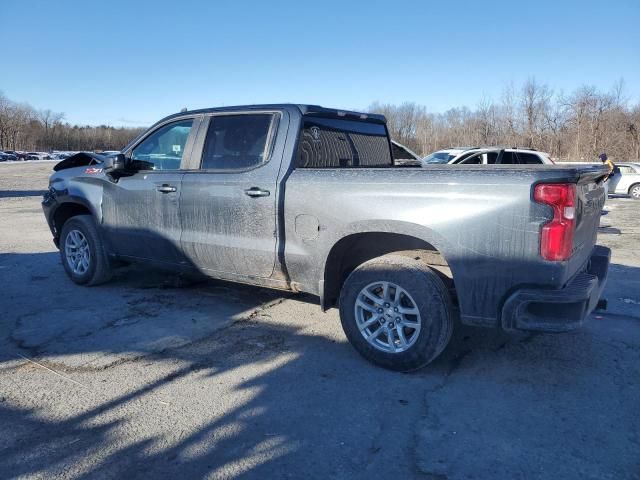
340	143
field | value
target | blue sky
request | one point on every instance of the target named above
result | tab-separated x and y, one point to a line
132	62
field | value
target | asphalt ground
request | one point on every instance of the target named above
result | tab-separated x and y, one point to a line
152	377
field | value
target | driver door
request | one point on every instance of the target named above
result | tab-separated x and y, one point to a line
141	216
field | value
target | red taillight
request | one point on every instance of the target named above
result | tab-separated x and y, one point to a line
556	238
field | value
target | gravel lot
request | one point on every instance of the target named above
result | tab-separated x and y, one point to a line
147	377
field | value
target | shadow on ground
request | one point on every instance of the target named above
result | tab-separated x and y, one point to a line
274	391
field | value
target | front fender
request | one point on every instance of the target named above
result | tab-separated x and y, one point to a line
84	191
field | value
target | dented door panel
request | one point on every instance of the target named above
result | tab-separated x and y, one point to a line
141	216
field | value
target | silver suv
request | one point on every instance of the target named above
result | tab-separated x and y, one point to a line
625	180
487	156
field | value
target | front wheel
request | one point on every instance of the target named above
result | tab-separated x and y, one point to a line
634	191
396	312
82	252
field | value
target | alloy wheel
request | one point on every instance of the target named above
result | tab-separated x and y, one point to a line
77	253
387	317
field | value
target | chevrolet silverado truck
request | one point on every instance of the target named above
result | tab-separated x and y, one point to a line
306	199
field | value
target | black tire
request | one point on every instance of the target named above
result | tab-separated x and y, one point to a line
99	270
430	296
635	190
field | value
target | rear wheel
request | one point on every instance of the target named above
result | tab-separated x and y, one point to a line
82	252
396	312
634	191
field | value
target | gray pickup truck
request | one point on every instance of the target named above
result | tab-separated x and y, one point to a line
306	199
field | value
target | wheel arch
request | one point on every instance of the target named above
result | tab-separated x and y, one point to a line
354	249
66	210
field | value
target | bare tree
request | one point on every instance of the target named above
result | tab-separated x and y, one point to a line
534	101
23	128
577	126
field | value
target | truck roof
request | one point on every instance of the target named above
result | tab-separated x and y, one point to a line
305	109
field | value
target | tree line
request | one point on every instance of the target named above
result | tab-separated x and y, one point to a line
577	126
23	127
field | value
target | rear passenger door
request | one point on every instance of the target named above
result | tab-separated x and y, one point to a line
229	198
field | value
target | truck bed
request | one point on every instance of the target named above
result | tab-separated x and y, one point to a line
481	218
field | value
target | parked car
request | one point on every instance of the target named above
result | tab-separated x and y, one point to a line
38	156
307	199
444	156
11	155
6	156
19	155
625	180
57	155
490	155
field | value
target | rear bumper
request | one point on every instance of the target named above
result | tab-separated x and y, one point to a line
559	310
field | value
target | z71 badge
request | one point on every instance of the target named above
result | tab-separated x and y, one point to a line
92	170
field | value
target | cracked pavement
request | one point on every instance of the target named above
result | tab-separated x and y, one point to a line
152	377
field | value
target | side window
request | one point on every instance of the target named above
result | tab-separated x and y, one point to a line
529	158
338	143
462	157
236	141
624	170
473	160
164	148
491	157
508	158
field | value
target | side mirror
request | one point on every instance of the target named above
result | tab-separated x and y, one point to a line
114	164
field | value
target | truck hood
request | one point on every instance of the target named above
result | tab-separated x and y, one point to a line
79	160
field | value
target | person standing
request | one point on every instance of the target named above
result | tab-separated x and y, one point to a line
609	164
605	160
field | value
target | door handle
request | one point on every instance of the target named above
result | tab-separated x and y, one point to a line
257	192
166	189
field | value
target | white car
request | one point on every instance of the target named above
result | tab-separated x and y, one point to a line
444	156
625	180
488	156
38	156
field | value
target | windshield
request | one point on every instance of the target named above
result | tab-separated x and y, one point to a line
438	157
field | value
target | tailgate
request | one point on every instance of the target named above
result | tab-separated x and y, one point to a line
590	198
